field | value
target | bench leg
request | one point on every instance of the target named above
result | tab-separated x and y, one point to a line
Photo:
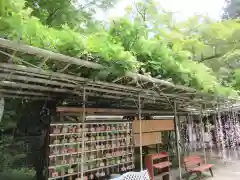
211	171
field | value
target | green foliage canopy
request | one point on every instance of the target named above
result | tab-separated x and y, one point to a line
150	40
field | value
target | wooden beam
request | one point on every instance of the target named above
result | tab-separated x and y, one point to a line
18	85
20	92
24	97
46	82
109	111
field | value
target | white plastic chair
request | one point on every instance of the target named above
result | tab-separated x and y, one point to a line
143	175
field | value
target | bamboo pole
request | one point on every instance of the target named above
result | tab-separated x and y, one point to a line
140	130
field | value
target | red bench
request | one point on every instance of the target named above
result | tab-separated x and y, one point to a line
193	164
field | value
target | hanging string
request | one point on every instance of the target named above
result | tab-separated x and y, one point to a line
235	133
183	134
198	135
218	134
190	133
231	129
221	136
236	129
226	130
194	136
209	127
186	143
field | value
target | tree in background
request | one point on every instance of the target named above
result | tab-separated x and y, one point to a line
147	37
232	9
174	50
76	14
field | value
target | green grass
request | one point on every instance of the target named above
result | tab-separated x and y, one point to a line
18	174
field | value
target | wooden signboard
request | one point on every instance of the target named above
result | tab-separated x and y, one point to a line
148	139
151	131
153	125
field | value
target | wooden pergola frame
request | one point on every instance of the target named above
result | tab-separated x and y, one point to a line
32	81
135	92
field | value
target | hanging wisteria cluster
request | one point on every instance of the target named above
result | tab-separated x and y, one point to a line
184	139
191	135
236	126
209	138
220	132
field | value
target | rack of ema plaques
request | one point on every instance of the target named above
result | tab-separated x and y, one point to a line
94	149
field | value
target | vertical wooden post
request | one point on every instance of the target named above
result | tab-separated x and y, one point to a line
177	135
203	133
83	138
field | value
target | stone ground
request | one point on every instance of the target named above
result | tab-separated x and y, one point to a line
224	169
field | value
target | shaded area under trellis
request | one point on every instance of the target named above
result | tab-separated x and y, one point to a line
24	144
